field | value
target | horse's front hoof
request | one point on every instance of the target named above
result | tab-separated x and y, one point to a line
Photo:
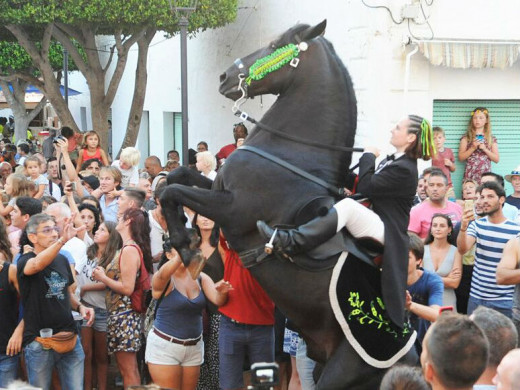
193	260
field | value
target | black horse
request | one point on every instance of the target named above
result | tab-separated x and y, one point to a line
316	104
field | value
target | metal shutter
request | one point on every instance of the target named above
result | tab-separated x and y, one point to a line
453	117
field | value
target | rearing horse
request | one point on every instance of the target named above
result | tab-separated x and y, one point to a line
316	104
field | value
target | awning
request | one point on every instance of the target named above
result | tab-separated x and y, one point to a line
33	96
466	54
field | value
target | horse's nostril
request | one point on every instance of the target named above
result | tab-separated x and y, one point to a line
223	77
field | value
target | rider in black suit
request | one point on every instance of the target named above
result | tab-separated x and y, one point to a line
391	188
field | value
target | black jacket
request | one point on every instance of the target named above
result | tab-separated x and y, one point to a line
392	191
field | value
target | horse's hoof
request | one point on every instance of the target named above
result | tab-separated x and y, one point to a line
196	265
193	260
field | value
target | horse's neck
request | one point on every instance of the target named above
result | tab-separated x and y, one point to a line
322	116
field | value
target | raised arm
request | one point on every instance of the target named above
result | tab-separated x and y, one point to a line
217	293
507	270
130	263
464	152
464	240
164	274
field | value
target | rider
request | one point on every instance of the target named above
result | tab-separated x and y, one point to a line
391	187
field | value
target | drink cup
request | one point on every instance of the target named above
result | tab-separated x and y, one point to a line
45	333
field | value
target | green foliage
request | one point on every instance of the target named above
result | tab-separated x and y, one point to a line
108	15
14	58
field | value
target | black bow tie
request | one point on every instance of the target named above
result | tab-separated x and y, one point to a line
390	157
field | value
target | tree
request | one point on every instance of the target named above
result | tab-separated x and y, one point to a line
16	72
76	24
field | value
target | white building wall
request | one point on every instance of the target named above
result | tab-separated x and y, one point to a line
369	43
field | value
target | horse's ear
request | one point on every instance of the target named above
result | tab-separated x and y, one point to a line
314	31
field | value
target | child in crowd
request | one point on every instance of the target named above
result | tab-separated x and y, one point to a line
127	165
91	149
206	164
478	147
16	185
23	151
425	291
444	159
32	171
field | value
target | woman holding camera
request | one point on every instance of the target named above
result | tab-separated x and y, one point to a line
478	147
174	348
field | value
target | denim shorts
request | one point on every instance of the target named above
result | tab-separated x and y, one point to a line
100	320
166	353
290	342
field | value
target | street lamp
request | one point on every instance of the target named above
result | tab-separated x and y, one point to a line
184	9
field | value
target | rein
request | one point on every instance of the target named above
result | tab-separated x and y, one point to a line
335	191
245	117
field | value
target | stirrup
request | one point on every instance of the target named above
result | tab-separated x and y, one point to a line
268	248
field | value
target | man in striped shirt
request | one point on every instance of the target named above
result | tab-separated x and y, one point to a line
491	235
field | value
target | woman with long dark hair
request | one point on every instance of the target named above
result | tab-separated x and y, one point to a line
209	236
107	243
121	278
442	257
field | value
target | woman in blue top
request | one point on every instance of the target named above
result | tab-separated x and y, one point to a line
174	348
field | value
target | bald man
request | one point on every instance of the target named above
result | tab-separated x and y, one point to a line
508	372
153	166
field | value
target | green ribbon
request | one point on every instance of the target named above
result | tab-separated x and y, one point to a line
427	138
272	62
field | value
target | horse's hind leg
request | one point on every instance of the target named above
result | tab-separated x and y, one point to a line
347	370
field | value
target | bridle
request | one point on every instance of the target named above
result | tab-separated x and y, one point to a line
243	83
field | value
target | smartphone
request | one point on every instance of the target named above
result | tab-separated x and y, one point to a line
480	138
468	204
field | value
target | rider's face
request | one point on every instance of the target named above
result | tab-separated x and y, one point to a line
400	137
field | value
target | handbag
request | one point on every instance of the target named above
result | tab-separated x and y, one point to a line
151	312
143	284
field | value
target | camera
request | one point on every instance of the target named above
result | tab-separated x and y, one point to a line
58	138
264	376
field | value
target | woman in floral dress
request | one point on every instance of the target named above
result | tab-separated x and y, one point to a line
478	147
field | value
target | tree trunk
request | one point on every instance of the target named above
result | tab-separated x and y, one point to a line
102	88
141	79
50	86
16	101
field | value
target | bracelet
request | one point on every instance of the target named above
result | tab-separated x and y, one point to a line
60	241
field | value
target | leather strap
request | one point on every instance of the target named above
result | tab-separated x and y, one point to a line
174	340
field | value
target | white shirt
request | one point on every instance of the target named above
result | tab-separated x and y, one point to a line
130	176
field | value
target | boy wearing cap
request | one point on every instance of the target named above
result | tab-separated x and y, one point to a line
514	179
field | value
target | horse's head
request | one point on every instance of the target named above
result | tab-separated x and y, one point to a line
269	70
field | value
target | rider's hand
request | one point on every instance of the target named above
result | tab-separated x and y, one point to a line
372	149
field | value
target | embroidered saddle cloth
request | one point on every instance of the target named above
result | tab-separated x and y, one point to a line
355	295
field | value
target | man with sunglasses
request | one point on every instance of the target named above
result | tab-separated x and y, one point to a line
239	131
46	288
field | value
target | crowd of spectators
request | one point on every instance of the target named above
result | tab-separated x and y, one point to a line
80	233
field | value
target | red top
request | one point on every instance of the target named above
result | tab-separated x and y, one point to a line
87	156
226	151
247	302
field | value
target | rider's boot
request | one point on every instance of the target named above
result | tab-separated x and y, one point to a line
304	237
